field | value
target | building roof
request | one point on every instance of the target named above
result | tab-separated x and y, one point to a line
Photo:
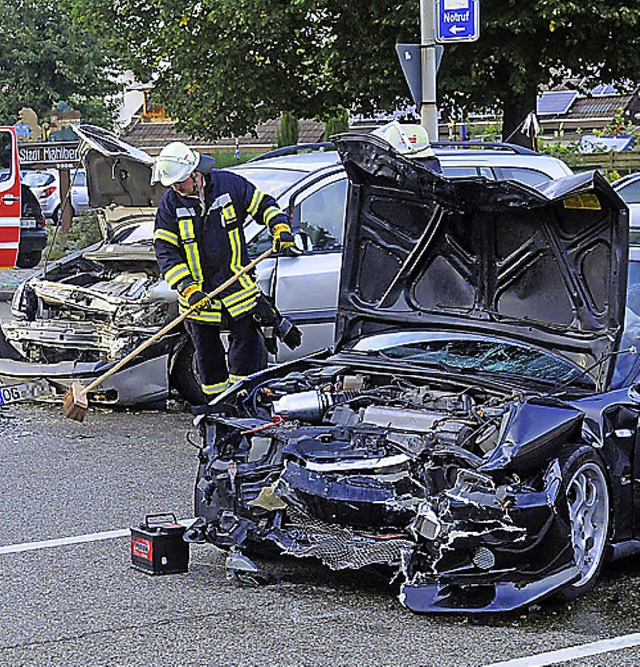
586	111
152	136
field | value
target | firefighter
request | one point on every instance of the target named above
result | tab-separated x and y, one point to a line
199	243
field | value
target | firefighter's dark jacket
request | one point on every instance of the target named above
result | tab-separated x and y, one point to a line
206	248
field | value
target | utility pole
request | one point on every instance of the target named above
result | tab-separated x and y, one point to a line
428	106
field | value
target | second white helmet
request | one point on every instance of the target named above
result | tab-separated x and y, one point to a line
175	163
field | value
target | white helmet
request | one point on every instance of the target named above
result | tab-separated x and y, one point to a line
175	163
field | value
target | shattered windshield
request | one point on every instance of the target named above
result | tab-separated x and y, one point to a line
484	355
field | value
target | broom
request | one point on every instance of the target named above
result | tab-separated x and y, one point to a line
75	400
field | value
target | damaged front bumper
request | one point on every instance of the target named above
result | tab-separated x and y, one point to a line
477	546
142	381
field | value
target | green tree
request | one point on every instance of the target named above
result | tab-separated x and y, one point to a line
526	45
336	124
44	59
289	130
222	66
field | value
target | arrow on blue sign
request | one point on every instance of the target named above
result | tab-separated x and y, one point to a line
457	20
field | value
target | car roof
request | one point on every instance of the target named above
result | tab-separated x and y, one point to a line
294	167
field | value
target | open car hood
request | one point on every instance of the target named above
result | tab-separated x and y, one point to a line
546	265
118	174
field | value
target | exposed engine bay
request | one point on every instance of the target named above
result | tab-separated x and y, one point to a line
96	307
361	468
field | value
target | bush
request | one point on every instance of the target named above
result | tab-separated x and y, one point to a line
289	130
85	231
336	124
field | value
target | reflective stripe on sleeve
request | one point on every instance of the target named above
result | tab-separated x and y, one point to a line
271	213
235	378
256	200
166	235
177	273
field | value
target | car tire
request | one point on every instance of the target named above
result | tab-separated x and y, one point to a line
185	378
585	486
27	260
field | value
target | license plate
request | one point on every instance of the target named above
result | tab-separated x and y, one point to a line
23	392
27	223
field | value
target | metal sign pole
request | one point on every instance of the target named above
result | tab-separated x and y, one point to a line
428	107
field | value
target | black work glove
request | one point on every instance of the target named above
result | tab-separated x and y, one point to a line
289	333
200	300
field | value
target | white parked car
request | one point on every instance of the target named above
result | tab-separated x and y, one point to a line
45	184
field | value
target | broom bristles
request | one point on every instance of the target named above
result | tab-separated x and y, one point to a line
75	402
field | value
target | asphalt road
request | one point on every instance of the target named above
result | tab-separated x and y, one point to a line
82	604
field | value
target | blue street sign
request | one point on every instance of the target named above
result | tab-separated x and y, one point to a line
457	21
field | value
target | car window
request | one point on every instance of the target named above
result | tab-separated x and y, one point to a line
80	179
630	192
271	181
5	155
467	172
522	175
625	363
321	216
259	243
37	179
137	234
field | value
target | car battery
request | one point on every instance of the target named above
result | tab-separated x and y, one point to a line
157	546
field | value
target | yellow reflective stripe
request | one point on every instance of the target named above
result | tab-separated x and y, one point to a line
235	264
242	308
235	378
177	273
217	388
229	213
271	213
186	229
207	318
166	235
239	296
187	234
256	200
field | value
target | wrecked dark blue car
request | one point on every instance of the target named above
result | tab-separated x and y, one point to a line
475	427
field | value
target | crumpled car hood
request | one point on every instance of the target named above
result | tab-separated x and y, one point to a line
118	174
545	265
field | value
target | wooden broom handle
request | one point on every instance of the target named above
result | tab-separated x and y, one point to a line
174	323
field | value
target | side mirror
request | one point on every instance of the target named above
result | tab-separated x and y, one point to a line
302	241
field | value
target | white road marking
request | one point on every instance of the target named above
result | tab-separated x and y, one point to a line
573	652
76	539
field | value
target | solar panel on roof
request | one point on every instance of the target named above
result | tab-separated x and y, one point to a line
555	102
604	89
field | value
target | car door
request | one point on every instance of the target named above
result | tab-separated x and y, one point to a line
306	286
79	193
9	198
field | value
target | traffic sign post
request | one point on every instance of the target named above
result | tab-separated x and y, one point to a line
457	21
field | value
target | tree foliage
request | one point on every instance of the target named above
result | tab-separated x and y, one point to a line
222	66
45	59
288	131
